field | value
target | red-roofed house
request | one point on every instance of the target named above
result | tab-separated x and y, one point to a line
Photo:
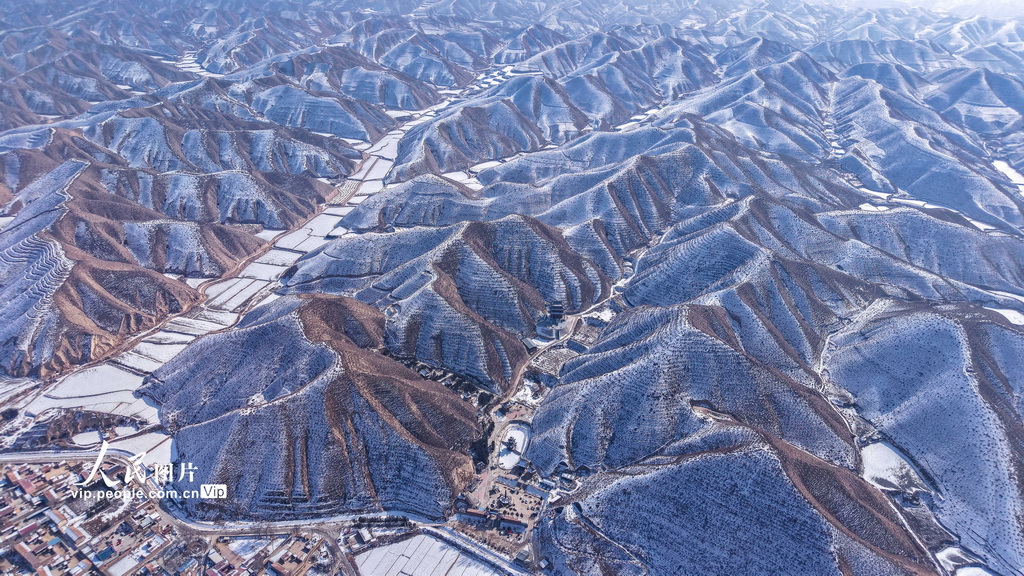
27	554
27	485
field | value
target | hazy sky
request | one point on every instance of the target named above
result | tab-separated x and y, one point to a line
993	8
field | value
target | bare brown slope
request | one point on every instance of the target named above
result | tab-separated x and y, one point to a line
101	304
853	506
423	411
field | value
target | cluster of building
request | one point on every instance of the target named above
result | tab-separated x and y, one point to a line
49	530
48	527
466	389
491	520
513	503
504	502
371	531
296	555
572	340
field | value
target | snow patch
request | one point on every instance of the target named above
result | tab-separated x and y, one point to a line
1013	316
873	208
887	469
520	434
1014	176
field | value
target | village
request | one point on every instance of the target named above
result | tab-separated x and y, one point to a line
51	525
500	508
51	528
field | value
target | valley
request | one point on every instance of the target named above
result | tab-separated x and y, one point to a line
524	287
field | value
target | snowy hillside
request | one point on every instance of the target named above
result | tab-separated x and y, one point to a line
744	279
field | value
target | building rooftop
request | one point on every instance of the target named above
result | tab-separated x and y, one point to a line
550	361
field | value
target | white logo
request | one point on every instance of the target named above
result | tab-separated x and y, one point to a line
136	473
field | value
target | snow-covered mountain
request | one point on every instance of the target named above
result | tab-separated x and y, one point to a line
793	234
